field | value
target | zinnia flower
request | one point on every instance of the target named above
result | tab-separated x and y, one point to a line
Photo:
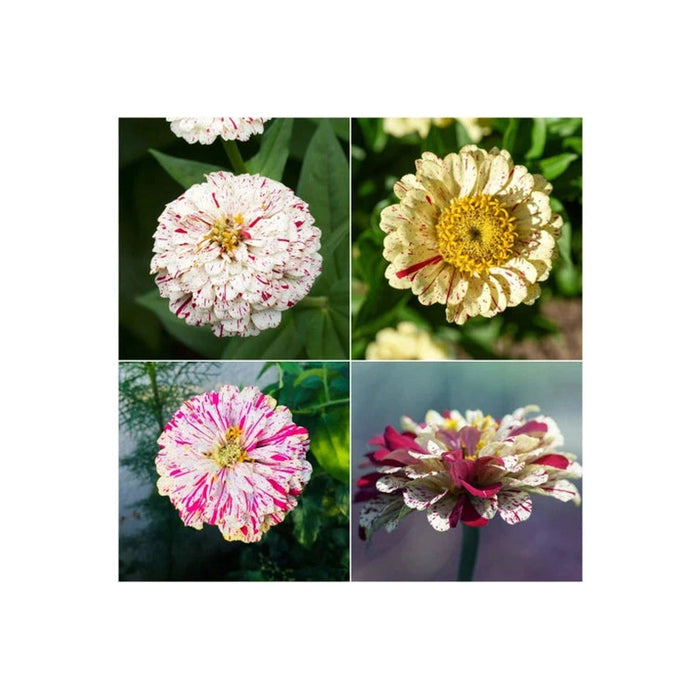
235	252
233	459
465	468
476	127
206	129
406	342
400	126
471	231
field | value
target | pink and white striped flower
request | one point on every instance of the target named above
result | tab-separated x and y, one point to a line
234	252
465	468
472	231
234	459
206	129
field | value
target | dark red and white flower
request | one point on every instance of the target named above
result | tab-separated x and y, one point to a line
464	468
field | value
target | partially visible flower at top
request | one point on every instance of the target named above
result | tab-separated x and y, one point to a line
472	231
476	127
206	129
407	342
464	468
235	252
401	126
233	459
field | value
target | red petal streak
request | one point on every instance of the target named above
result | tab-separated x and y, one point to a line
558	461
418	266
482	493
397	441
530	427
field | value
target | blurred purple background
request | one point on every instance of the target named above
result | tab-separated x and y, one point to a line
546	547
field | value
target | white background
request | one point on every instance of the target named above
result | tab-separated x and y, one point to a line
70	628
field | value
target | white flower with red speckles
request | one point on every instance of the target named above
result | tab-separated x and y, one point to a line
234	459
206	129
235	252
472	231
465	468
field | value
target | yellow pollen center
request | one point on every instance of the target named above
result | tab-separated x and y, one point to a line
476	233
231	451
226	232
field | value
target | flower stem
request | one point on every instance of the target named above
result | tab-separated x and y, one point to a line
318	407
234	155
158	404
313	302
470	547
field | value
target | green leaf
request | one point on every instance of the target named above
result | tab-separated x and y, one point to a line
307	518
200	339
538	139
274	150
330	443
324	183
341	127
553	167
184	172
282	342
319	334
309	373
575	143
510	136
567	126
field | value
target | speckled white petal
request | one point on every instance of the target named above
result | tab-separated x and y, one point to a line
514	506
439	513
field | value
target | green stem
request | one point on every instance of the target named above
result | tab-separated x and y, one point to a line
470	547
313	303
151	370
313	409
234	155
326	393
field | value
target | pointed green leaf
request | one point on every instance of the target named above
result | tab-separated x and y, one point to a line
200	339
274	150
314	374
324	184
538	139
318	331
282	342
510	135
553	167
307	518
184	172
330	443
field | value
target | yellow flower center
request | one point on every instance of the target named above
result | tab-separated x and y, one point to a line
231	451
476	233
226	232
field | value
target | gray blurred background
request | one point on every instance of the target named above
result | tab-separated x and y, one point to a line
546	547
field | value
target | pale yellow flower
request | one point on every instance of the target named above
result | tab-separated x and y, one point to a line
476	127
400	126
406	342
472	231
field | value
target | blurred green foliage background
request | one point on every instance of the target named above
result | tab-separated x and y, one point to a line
311	544
155	167
549	328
